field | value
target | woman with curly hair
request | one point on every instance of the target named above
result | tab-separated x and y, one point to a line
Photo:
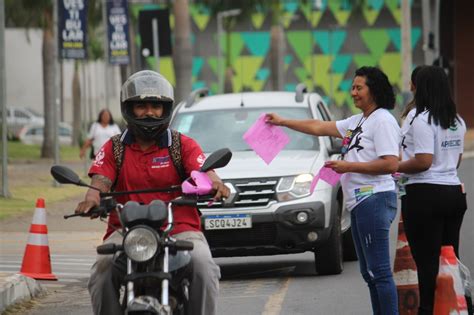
368	158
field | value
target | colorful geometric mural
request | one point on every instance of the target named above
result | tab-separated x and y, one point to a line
324	46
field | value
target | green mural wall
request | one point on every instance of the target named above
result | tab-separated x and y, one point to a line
324	46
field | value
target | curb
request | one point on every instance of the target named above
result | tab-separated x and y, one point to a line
17	288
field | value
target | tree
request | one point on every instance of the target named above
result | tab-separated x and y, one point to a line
277	45
39	13
182	50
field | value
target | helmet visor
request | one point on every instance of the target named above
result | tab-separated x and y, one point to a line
150	87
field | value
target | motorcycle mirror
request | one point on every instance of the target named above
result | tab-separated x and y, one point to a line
217	159
65	175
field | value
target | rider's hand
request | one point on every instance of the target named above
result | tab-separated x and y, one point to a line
85	206
273	119
222	191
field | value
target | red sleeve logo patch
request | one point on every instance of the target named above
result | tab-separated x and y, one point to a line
200	159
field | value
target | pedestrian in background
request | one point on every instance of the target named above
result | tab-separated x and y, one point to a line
408	113
99	132
369	155
435	202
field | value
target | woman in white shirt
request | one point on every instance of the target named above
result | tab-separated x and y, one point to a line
369	155
434	205
99	132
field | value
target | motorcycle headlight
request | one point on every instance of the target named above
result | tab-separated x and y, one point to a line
140	244
294	187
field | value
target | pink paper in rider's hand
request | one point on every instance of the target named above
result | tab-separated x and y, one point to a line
314	182
328	175
265	139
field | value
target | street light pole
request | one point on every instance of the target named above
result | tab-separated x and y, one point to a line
5	192
406	49
220	16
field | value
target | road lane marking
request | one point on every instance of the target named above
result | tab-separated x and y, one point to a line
253	287
275	301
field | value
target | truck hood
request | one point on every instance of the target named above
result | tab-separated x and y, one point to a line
247	164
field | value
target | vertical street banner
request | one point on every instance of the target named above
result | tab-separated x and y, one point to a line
72	29
117	32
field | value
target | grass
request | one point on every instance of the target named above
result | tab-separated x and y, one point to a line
41	185
24	198
19	151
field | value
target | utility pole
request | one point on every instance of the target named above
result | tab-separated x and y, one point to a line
57	101
5	192
430	17
106	54
406	49
220	71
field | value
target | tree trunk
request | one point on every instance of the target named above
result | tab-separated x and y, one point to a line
123	74
277	48
182	50
76	105
47	149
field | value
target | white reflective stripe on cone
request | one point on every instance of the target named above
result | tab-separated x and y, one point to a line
38	239
406	277
39	216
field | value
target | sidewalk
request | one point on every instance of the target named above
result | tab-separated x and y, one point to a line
16	288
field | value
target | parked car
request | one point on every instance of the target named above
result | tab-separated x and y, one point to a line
17	117
271	209
33	134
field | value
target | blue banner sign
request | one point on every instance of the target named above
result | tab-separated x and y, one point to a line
72	29
117	30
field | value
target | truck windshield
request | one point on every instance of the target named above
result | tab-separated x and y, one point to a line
225	128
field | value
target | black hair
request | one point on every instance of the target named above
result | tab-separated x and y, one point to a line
379	86
411	104
434	95
111	122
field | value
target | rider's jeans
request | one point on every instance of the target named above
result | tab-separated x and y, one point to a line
370	223
104	286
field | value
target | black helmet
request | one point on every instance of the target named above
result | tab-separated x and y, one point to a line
146	86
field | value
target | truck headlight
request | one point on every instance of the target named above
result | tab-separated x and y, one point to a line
140	244
294	187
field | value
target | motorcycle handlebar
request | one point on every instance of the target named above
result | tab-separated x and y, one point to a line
99	211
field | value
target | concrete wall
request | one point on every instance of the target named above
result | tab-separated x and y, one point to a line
24	78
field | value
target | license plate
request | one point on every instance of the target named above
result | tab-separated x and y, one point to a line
229	221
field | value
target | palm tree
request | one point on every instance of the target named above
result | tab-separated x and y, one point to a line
39	13
182	50
277	45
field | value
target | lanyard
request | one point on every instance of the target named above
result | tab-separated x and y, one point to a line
351	133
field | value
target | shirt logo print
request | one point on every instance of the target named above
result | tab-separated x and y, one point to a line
357	138
160	161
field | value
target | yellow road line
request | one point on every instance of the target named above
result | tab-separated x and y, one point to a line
275	301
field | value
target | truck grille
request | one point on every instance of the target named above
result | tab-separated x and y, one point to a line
253	192
259	235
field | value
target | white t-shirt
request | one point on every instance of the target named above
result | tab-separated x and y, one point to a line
407	142
100	134
378	135
445	144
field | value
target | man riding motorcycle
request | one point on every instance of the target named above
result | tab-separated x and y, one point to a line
146	105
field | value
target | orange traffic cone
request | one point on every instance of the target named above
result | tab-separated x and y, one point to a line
405	275
448	263
37	261
445	298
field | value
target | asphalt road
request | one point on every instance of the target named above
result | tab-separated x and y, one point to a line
284	284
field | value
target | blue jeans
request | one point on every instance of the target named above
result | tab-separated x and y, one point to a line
370	222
